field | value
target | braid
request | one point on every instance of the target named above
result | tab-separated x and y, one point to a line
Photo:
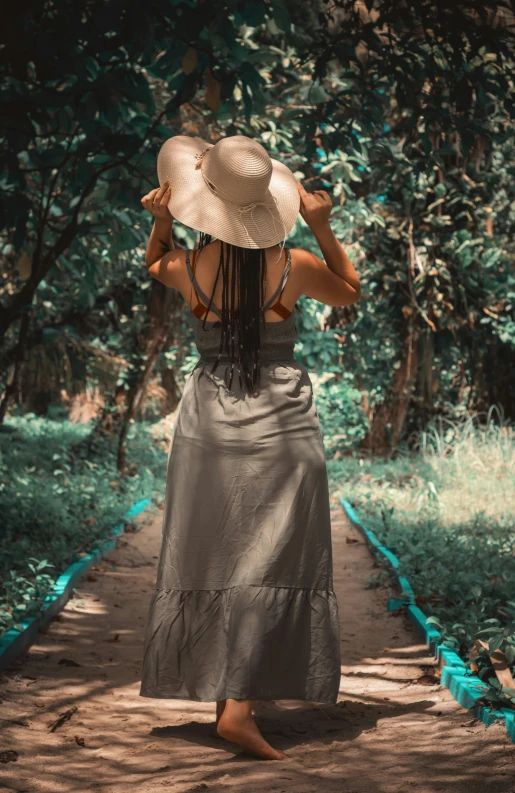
204	240
240	328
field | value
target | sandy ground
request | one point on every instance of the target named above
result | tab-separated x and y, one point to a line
394	728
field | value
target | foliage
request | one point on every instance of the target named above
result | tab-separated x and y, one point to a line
24	595
464	575
403	113
341	417
448	515
60	500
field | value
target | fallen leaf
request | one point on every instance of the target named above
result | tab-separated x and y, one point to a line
63	718
498	660
428	680
115	638
9	756
79	741
470	723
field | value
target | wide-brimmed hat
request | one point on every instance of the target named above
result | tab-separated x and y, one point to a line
232	190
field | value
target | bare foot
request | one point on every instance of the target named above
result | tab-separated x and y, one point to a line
244	731
220	707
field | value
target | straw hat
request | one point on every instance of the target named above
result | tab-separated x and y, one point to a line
232	190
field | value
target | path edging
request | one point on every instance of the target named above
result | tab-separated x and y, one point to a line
15	642
465	687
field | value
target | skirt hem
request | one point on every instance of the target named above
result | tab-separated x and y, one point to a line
256	697
243	642
326	590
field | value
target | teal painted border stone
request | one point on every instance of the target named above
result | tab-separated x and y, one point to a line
15	642
465	687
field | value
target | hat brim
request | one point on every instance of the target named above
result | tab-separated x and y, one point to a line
193	203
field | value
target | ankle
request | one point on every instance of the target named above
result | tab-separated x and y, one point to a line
228	717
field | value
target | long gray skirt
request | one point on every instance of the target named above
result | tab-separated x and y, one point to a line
244	605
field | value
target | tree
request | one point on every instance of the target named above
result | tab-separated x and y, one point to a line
382	102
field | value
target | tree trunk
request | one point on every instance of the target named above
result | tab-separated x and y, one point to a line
19	355
499	383
160	330
40	265
425	384
137	392
169	383
388	418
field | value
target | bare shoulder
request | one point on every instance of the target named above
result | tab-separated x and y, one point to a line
318	281
170	269
304	259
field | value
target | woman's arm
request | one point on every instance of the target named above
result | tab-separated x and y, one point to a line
162	260
160	241
338	282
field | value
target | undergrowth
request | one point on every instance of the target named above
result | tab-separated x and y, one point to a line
59	500
448	514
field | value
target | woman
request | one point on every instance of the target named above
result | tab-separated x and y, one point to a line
244	607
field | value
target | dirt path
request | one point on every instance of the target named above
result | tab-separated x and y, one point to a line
388	733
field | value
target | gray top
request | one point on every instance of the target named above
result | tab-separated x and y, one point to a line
277	338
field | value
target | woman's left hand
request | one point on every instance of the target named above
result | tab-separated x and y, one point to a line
156	202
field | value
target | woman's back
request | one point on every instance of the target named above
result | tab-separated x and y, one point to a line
278	335
281	279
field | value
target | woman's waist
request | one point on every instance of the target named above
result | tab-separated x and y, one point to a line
264	360
271	351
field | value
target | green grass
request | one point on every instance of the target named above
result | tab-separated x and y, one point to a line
59	499
448	513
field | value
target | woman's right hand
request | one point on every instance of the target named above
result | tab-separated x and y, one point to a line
315	208
156	202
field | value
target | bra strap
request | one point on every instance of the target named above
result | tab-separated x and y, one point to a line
201	309
277	294
273	303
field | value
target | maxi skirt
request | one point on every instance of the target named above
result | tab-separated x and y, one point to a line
244	605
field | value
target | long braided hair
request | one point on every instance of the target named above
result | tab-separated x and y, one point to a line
240	328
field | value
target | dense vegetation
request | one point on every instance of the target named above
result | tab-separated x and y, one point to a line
448	514
61	497
404	112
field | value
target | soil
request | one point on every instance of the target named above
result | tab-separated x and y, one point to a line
394	728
